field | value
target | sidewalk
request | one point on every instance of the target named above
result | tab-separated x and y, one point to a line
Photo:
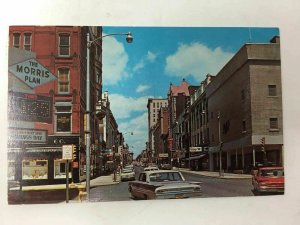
216	174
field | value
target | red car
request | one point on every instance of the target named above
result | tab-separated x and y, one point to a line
268	179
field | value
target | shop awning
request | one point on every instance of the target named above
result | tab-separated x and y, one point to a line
196	157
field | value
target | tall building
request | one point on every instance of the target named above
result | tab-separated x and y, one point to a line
47	106
244	110
153	106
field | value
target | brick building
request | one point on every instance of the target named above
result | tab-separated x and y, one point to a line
62	52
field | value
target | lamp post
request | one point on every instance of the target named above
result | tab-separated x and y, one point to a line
129	39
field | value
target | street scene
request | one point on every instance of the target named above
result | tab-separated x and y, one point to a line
99	114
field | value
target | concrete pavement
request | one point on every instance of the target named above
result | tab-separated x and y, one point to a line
215	174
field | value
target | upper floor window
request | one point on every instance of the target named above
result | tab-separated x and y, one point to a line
27	41
64	45
244	126
63	118
272	90
63	80
16	40
273	123
243	95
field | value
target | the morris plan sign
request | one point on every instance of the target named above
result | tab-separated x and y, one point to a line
32	73
195	149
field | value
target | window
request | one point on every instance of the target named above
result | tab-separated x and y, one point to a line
63	118
243	94
27	42
16	40
63	81
34	169
60	169
244	126
64	45
272	90
273	124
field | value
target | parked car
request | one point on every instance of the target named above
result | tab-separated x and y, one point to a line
163	184
268	179
150	168
127	173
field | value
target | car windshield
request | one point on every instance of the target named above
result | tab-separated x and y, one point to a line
272	173
160	177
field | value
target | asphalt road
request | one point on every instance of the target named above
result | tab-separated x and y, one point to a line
211	187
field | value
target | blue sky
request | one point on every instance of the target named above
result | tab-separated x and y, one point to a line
134	72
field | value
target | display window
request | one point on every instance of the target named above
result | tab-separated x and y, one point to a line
11	170
60	169
34	169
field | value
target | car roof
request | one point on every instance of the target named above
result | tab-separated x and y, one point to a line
161	171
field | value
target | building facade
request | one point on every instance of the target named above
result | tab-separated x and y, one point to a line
153	106
55	107
244	105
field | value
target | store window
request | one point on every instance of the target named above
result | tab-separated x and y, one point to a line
34	169
11	170
16	40
60	169
63	81
27	41
64	45
63	118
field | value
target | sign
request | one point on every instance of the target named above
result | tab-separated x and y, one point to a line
67	152
163	155
29	107
27	135
75	164
195	149
32	73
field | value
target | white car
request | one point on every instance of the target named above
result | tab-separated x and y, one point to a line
127	174
150	168
163	184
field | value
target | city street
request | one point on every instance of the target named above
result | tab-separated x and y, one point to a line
211	187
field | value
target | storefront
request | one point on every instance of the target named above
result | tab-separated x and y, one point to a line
36	164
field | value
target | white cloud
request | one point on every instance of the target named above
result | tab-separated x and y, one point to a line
139	66
122	106
142	88
114	61
139	127
197	60
149	58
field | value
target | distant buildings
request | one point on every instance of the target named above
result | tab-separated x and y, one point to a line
232	121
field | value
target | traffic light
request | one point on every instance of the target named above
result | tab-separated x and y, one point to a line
74	152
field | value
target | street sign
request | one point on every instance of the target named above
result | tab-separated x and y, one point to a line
27	135
67	152
32	73
163	155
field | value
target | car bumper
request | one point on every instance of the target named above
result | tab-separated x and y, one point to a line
271	189
127	178
178	195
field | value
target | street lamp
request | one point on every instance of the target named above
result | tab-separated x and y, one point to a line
129	39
